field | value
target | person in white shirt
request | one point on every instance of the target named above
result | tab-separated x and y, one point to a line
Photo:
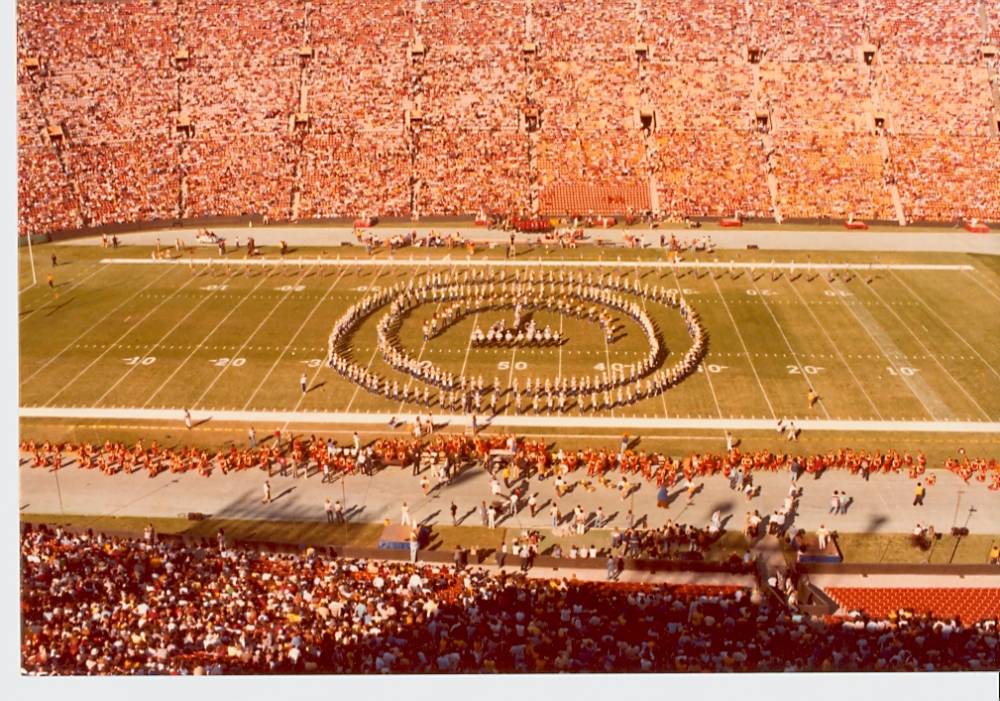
822	536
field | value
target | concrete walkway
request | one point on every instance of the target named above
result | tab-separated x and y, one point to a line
883	505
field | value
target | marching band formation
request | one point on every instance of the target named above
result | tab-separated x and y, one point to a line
587	296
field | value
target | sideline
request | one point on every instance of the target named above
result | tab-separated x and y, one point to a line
506	421
448	261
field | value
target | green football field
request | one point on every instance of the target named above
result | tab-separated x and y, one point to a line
891	345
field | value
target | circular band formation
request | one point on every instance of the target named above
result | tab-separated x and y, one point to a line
568	293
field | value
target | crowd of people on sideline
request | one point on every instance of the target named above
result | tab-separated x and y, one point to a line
621	469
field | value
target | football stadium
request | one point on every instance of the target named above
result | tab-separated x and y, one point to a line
535	336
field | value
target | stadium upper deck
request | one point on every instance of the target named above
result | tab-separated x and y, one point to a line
137	110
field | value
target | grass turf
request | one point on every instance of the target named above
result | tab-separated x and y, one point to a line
911	345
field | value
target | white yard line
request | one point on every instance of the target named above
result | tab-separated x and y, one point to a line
986	289
746	350
468	348
60	292
704	370
93	326
909	382
291	341
928	351
157	344
107	350
561	341
249	338
788	344
357	388
946	324
834	345
472	263
555	421
197	346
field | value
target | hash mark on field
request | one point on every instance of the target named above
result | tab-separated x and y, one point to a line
90	328
61	292
947	326
743	343
253	333
926	349
985	288
917	386
835	347
205	338
108	349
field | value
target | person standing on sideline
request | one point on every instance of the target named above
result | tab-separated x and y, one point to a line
404	517
822	536
475	425
454	513
51	280
338	511
555	516
482	513
612	567
326	472
501	554
187	419
357	442
995	554
835	502
533	504
918	495
328	508
414	545
252	437
303	383
729	442
54	263
491	517
267	492
277	438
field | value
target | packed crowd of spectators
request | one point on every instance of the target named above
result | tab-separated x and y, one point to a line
816	97
947	178
465	171
791	31
939	100
98	605
679	31
721	172
941	31
117	85
831	174
353	173
706	95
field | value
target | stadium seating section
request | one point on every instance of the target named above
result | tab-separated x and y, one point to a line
138	110
970	605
